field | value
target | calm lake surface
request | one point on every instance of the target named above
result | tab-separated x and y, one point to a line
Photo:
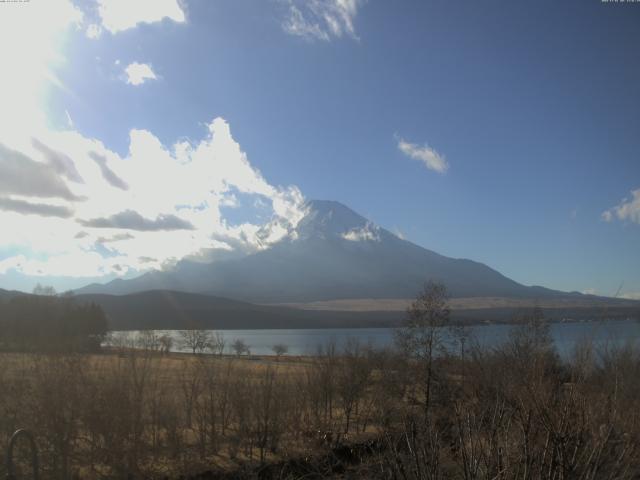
306	341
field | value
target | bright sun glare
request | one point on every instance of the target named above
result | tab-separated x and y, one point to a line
31	35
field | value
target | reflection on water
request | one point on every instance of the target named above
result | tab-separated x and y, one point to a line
306	341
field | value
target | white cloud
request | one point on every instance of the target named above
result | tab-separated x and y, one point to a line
155	205
93	31
368	233
138	73
427	155
76	264
627	210
171	208
589	291
119	15
631	295
322	19
398	233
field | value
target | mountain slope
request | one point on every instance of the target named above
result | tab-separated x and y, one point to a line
7	294
334	253
164	309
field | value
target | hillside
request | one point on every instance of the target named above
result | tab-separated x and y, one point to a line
164	309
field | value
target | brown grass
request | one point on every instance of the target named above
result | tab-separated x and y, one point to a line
512	413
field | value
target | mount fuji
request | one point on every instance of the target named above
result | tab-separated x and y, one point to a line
333	253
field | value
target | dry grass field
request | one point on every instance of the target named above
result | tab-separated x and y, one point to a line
146	414
515	412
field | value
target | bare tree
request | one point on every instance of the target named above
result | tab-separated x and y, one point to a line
166	342
120	340
217	344
148	340
136	414
422	334
196	340
280	349
352	377
44	290
240	347
266	412
321	385
533	333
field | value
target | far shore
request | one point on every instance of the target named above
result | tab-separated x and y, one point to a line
461	303
631	316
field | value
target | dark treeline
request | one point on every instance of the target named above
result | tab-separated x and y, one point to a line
47	322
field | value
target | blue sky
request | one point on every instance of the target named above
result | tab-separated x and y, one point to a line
504	132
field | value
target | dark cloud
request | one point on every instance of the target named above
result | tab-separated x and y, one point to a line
115	238
21	175
107	173
81	235
28	208
62	164
131	220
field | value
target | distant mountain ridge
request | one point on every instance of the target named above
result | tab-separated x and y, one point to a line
334	253
7	294
164	309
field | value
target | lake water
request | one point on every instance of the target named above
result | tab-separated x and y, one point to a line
306	341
